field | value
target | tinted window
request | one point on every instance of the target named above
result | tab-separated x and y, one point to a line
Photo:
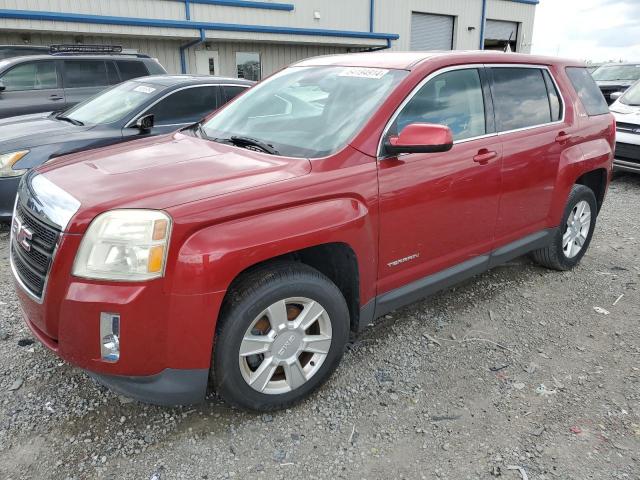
588	91
131	69
84	73
112	74
554	97
185	106
31	76
154	67
231	91
520	98
453	99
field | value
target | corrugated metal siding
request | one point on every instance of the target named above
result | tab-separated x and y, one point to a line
431	32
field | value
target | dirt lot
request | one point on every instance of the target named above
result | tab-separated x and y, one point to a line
513	369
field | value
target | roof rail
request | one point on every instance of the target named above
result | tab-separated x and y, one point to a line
80	49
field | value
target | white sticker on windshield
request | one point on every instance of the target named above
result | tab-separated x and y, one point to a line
362	72
144	89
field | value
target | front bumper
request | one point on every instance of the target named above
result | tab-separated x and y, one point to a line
165	339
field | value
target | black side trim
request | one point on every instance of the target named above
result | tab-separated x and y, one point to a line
167	388
431	284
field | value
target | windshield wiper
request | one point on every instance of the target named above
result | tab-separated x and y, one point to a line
70	120
241	141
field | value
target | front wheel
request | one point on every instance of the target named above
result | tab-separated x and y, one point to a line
281	335
572	239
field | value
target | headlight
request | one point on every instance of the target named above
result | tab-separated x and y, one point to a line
128	245
8	160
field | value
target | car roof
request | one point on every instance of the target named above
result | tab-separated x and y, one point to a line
186	80
410	60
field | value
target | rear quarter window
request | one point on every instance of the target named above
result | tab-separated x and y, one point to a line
588	91
131	69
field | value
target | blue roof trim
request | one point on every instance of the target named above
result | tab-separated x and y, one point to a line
186	24
248	4
530	2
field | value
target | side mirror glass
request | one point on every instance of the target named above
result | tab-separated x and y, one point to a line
420	138
615	96
145	123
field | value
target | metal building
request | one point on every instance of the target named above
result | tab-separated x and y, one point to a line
254	38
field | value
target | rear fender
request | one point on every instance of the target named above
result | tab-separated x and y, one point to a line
211	258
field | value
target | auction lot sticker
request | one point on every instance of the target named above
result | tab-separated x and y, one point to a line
361	72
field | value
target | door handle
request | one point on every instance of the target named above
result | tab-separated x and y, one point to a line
484	156
55	97
563	137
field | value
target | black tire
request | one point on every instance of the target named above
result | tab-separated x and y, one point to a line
252	294
553	255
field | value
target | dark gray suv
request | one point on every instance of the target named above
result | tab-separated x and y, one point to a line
54	82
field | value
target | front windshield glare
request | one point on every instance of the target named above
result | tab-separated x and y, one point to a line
632	95
617	72
306	111
113	104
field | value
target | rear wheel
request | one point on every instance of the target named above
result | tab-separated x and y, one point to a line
280	337
572	239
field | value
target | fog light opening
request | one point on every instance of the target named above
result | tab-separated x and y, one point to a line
110	336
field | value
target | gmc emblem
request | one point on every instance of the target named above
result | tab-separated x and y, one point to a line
21	233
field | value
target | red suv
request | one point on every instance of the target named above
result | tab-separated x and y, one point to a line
240	253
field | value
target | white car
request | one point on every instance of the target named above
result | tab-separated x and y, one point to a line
626	109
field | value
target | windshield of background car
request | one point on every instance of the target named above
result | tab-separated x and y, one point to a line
114	104
617	72
632	95
306	112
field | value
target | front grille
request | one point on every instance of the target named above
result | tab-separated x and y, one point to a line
628	152
32	265
628	128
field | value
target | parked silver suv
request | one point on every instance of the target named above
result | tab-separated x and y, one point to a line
60	79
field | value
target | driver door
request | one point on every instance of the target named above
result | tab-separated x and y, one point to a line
438	210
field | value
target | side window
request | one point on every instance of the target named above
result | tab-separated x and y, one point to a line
248	65
185	106
112	73
588	91
554	98
231	91
31	76
84	73
453	99
131	69
520	98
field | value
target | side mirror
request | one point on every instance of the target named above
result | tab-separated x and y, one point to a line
420	138
145	123
2	87
615	96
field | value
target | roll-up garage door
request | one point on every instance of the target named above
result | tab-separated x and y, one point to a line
501	30
431	32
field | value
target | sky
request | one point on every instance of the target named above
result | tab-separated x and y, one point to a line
592	30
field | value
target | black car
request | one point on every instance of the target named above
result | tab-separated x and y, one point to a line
615	78
134	109
66	75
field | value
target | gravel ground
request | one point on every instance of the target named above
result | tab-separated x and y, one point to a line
515	369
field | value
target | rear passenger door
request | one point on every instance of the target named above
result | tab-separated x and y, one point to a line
85	78
31	87
529	114
184	107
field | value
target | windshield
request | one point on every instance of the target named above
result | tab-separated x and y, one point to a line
306	111
632	95
113	104
617	72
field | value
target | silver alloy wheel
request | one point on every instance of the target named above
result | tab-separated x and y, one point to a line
578	225
285	345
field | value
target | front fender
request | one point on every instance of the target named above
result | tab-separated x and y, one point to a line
211	258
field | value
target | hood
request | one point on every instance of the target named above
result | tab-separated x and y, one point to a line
626	113
28	131
162	172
